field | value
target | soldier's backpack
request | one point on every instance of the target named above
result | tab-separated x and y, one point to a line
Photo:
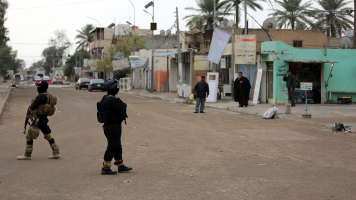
47	109
106	115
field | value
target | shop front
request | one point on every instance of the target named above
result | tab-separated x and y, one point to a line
331	72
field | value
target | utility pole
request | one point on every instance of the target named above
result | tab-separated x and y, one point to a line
245	7
232	79
167	43
214	65
153	51
180	67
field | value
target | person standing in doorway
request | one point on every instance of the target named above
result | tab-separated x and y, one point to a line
201	91
242	89
290	79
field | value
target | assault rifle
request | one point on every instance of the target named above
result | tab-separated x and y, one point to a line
28	117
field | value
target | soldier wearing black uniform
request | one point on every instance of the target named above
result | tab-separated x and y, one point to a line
114	112
40	123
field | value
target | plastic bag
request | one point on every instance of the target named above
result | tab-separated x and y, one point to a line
270	113
191	96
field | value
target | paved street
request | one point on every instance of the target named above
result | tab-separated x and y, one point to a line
175	154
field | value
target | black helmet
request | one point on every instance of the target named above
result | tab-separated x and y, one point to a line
111	86
42	87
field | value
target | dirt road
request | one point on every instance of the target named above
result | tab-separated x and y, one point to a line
175	154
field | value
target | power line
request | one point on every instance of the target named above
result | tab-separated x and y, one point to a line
83	2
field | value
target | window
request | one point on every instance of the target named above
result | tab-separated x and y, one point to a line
297	43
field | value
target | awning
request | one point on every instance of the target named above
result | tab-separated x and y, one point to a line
170	53
309	61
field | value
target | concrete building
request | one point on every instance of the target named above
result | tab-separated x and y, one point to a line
332	72
200	42
102	42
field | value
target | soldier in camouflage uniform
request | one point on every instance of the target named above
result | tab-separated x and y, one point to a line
40	111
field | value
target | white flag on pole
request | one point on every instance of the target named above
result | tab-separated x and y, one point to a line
218	45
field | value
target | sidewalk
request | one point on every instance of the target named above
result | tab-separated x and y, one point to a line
4	94
317	110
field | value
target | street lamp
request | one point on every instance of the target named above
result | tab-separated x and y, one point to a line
151	3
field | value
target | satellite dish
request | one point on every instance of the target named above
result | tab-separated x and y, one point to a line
269	23
226	24
168	32
162	32
230	23
345	42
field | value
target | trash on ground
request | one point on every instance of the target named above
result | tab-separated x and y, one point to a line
173	101
270	113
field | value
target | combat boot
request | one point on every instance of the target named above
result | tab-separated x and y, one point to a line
27	155
55	149
121	167
106	169
23	157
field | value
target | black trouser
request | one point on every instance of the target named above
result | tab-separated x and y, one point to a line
113	135
291	97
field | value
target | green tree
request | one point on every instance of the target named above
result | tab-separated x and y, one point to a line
84	37
73	61
57	47
37	64
204	17
294	14
3	30
334	17
124	45
251	4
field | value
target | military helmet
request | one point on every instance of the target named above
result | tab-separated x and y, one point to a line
111	86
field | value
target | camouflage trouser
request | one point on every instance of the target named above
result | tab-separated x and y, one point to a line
33	133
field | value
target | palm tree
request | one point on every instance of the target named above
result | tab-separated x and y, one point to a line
84	37
334	17
252	4
294	14
204	18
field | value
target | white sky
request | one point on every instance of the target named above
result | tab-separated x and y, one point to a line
30	28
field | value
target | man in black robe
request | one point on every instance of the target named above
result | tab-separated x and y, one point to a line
242	89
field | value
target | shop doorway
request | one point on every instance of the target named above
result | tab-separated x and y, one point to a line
307	72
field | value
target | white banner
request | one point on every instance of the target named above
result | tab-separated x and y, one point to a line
218	45
120	64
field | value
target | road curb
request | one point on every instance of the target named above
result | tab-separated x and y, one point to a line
233	108
4	100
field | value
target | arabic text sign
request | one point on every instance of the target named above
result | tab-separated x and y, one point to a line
139	63
306	86
245	49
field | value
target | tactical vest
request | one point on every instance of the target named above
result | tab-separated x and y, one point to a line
107	115
45	109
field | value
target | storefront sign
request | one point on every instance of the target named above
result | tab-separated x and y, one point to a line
201	63
306	86
78	70
120	64
137	63
245	49
223	63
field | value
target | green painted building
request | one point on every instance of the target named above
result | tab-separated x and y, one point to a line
332	72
